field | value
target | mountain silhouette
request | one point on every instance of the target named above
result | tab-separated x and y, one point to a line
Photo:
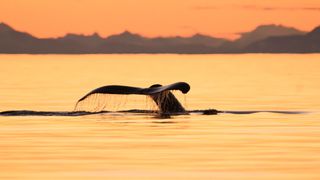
265	31
307	43
259	33
16	42
91	41
12	41
127	42
5	28
265	38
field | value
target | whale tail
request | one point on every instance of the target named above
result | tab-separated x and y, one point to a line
161	95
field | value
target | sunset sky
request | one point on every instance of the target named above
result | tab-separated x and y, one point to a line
227	18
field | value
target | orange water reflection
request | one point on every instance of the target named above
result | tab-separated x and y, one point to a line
127	146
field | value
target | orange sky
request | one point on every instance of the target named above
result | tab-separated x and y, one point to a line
52	18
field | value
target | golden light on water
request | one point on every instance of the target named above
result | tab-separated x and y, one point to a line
138	146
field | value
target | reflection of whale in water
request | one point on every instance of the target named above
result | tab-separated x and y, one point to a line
135	111
166	102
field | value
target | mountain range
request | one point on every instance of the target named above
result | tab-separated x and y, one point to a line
263	39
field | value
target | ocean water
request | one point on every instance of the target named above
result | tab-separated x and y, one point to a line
140	146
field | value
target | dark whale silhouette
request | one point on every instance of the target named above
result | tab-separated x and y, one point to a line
161	95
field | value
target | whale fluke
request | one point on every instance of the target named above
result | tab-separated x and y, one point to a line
161	95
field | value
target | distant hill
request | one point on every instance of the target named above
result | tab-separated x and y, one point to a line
259	33
16	42
91	41
127	42
265	31
266	38
307	43
12	41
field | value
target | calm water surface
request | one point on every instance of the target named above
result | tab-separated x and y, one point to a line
131	146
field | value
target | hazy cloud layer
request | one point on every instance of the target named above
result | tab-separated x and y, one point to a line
264	8
274	8
206	8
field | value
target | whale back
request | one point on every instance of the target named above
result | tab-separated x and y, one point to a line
166	101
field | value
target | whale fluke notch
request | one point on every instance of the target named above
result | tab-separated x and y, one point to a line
161	95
